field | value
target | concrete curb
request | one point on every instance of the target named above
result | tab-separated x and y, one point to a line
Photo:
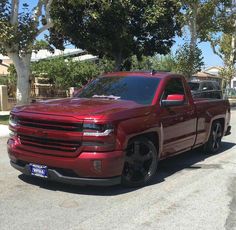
4	131
4	113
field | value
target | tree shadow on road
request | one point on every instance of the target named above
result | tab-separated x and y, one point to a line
190	160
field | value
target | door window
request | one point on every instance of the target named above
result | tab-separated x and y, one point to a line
174	86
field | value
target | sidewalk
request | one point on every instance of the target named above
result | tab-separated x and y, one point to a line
4	131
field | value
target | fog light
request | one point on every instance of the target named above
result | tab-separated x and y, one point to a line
11	143
97	165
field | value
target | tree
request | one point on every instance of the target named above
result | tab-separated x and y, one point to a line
157	62
227	52
117	29
165	63
187	62
18	32
69	73
201	17
224	43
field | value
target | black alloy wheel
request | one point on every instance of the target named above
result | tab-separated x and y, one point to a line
140	162
214	142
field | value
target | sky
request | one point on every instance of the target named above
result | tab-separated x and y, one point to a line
210	59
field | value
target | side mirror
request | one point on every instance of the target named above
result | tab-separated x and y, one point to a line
173	100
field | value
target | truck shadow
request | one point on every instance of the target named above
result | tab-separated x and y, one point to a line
190	160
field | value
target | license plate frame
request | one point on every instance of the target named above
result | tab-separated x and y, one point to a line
38	170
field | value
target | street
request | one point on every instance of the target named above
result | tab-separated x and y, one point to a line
191	191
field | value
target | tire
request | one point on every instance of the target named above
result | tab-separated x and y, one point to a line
140	163
213	144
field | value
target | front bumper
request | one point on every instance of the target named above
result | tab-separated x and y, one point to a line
88	168
56	176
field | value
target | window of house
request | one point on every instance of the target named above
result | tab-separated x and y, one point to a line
234	84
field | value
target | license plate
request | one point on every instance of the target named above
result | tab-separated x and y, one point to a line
39	170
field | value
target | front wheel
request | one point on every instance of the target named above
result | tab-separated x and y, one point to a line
140	162
214	142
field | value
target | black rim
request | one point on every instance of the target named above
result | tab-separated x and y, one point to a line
139	162
216	136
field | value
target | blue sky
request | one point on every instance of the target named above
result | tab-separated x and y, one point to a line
210	59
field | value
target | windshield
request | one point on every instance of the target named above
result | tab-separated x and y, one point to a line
138	89
193	85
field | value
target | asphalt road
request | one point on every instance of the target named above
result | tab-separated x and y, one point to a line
191	191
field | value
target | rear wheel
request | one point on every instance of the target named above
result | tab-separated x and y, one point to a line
214	142
140	162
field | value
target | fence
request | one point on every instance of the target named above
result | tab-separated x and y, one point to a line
41	93
11	103
48	91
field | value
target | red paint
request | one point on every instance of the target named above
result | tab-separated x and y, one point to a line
176	129
175	97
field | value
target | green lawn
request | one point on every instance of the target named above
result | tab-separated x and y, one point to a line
4	119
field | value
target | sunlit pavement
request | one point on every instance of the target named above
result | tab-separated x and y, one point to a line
190	191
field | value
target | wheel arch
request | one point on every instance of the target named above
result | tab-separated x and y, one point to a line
221	120
152	136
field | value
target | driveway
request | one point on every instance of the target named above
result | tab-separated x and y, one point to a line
191	191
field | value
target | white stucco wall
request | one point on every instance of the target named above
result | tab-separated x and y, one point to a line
233	83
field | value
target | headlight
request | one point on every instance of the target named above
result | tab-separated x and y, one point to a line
97	130
13	120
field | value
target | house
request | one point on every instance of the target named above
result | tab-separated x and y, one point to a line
40	88
211	73
4	64
233	83
76	54
214	70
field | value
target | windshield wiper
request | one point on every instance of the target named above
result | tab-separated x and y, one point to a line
110	97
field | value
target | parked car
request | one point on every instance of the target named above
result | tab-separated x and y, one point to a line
115	130
205	89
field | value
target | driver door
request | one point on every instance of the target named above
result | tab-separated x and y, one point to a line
178	122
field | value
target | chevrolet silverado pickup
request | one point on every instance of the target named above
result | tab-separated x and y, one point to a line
115	130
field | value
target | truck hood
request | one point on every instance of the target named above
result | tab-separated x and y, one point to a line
82	108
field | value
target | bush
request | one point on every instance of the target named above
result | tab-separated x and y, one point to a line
64	74
10	82
3	80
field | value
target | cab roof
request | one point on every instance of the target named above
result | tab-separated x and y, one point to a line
156	74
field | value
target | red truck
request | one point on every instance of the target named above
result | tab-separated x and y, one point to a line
115	130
